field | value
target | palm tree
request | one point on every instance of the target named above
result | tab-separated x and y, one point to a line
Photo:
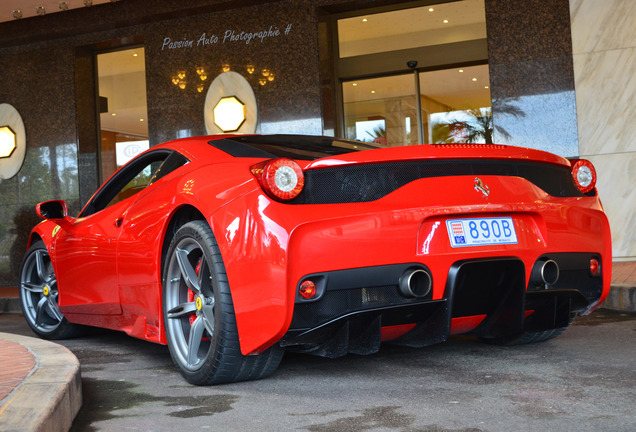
379	135
479	127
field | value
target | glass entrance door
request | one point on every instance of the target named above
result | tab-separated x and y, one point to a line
432	83
381	110
123	109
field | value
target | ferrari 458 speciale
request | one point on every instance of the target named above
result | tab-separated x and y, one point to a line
233	249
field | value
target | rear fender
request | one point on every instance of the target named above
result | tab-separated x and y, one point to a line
255	254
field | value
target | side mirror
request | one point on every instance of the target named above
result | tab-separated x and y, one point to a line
54	210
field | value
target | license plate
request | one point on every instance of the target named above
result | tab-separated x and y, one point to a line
481	231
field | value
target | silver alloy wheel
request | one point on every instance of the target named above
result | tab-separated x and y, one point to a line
190	301
38	289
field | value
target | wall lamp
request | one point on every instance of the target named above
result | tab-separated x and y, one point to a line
229	114
8	142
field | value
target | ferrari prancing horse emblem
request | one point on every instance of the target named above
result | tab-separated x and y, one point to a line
481	187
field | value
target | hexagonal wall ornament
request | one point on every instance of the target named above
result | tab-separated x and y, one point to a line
12	141
233	89
7	141
229	114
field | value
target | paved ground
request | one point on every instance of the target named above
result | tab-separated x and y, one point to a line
624	273
40	384
16	363
584	380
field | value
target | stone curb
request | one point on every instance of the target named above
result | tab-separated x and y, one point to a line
49	399
622	297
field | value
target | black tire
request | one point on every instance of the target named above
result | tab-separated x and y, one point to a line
38	296
199	314
527	337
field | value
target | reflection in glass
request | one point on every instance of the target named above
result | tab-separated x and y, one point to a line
52	173
124	113
381	110
541	121
455	107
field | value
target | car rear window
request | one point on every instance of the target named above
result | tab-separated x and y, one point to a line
303	147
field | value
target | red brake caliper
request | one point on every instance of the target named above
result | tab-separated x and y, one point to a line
197	270
191	293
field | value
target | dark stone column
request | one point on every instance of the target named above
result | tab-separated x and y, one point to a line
532	74
87	127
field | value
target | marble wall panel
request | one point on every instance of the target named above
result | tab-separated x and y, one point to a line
604	45
605	95
618	195
602	25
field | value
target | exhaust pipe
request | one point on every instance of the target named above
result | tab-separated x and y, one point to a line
415	283
545	273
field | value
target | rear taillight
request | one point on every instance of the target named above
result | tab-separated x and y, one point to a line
595	267
281	178
584	175
307	290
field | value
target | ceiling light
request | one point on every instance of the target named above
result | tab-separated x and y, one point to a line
461	70
431	9
355	84
486	87
364	20
474	79
445	21
40	10
17	14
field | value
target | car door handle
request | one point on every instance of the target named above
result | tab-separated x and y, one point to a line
118	222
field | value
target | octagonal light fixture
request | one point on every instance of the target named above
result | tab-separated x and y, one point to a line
229	114
7	141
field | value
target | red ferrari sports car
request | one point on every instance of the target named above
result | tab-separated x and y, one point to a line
232	249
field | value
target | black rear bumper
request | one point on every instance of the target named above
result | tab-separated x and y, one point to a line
353	305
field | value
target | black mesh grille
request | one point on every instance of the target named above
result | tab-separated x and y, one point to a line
369	182
334	304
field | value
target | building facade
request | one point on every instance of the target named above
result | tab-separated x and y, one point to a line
91	83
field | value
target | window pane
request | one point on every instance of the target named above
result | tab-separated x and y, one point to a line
381	110
123	109
456	105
